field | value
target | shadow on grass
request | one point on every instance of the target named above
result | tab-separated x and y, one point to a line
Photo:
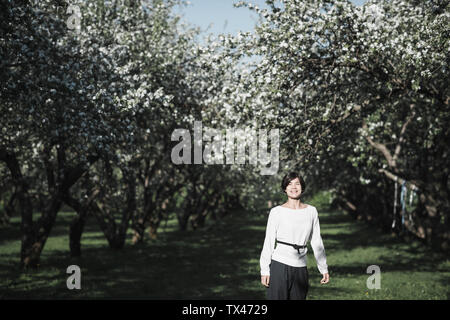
11	231
220	262
397	255
179	265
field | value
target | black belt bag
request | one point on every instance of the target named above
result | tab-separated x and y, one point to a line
296	247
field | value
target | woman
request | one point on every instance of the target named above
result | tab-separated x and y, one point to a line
291	225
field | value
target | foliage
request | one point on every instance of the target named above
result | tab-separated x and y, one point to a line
358	89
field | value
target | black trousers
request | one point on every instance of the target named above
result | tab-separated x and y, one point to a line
287	282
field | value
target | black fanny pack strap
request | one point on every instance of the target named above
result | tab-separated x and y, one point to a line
296	247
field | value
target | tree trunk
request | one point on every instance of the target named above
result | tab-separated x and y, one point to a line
76	230
116	234
33	242
183	219
9	209
153	229
34	235
138	231
78	223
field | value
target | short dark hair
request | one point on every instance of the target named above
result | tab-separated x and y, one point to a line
291	176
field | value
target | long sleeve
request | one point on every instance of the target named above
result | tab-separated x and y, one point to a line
269	244
317	245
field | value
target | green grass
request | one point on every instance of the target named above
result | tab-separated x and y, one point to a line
221	262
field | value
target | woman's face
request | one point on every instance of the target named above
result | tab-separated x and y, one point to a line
294	189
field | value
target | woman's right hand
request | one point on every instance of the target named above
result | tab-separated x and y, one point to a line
265	280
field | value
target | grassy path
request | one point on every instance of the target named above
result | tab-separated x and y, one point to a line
221	262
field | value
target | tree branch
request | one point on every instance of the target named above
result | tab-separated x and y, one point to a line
380	147
402	134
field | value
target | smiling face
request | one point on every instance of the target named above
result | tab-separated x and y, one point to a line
294	189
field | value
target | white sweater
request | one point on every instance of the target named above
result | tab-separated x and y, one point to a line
296	226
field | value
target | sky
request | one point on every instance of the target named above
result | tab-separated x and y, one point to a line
219	16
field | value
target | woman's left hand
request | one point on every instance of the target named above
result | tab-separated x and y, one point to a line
325	278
